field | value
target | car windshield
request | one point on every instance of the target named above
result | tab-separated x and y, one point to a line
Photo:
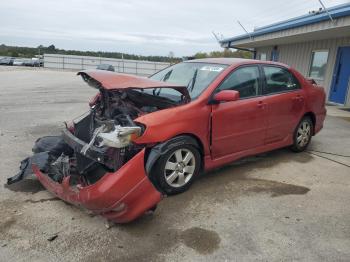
195	76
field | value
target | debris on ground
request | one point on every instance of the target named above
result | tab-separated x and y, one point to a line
53	237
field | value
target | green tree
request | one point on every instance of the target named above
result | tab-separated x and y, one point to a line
200	55
51	48
32	51
14	53
226	53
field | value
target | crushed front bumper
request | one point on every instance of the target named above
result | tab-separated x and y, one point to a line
121	196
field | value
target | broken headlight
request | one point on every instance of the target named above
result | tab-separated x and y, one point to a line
120	137
114	136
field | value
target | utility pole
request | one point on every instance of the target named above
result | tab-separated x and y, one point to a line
123	62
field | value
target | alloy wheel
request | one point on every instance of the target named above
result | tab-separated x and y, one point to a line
179	168
303	134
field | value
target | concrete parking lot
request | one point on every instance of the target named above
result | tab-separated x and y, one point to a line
278	206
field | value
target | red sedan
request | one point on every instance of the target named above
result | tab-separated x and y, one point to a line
148	137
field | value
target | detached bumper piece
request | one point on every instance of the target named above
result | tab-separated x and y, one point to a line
41	160
45	150
121	196
89	180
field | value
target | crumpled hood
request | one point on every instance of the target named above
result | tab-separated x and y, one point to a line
117	81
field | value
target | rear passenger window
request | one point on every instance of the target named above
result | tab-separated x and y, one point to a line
279	80
244	79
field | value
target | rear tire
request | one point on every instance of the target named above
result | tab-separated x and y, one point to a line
302	135
176	170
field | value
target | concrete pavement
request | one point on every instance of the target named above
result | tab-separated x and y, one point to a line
278	206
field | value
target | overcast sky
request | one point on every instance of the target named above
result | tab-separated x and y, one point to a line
147	27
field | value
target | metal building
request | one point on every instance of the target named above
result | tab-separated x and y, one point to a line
317	45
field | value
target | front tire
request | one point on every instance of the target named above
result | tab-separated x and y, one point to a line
176	170
302	135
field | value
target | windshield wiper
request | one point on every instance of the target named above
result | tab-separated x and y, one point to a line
164	79
192	82
167	75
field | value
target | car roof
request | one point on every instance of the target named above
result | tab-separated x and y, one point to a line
233	61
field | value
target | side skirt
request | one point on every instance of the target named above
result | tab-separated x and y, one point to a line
217	162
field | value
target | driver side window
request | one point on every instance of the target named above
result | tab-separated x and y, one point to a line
245	80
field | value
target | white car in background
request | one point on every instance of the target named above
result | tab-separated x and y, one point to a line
18	62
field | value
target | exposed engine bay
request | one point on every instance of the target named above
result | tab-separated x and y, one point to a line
98	142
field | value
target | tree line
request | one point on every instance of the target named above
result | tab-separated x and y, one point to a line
28	52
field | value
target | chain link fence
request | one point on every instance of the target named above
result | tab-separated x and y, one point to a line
72	62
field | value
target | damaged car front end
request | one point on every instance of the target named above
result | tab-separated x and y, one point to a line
97	162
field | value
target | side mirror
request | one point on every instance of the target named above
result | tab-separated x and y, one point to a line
226	96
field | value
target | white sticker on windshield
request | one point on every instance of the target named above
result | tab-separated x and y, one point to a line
212	68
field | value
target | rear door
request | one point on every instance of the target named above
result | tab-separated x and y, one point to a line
239	125
285	102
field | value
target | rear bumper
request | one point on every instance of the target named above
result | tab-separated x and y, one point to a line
121	196
319	121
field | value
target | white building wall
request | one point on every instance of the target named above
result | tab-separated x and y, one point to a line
298	55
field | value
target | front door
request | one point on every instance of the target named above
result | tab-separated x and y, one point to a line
239	125
341	76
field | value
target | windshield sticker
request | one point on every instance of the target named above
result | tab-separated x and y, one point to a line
212	68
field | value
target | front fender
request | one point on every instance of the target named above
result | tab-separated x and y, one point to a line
163	125
162	148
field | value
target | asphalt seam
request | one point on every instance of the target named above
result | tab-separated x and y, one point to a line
335	161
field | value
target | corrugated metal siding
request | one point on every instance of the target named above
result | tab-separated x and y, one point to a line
299	56
342	22
266	50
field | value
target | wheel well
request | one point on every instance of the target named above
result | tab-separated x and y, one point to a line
200	147
312	116
199	142
158	148
152	154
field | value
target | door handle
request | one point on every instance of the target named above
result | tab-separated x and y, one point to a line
298	98
261	105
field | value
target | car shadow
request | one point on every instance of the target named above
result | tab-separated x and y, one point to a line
232	181
222	186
